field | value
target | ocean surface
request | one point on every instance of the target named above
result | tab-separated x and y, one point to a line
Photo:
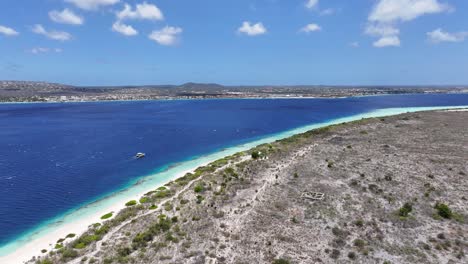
57	157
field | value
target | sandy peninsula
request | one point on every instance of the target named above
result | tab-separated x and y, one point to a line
379	190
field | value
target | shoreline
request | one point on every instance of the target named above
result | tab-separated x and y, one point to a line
81	218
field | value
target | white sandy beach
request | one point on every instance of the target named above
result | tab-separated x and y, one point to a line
77	226
78	221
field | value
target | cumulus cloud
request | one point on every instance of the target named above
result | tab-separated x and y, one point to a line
252	29
389	11
386	15
66	16
39	50
124	29
387	41
52	34
167	36
440	35
92	4
311	4
142	11
7	31
311	28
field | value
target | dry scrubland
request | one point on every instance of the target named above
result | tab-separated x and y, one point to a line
385	183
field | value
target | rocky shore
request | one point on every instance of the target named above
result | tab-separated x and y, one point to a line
379	190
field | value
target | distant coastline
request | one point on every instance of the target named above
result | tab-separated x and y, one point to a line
19	91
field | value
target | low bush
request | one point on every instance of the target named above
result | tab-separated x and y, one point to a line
131	203
443	210
405	210
200	199
69	254
106	216
144	199
255	155
198	188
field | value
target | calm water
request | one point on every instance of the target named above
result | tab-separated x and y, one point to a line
55	157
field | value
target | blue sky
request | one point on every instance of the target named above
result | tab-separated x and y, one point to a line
335	42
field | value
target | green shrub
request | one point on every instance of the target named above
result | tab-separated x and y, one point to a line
44	251
443	210
106	216
80	245
58	246
162	193
359	243
144	199
168	206
69	254
153	207
405	210
199	188
124	251
131	203
200	199
71	235
255	155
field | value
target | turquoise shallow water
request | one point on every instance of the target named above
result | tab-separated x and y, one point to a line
164	173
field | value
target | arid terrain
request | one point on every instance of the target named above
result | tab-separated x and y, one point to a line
389	190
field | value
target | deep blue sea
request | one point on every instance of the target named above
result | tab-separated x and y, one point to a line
57	156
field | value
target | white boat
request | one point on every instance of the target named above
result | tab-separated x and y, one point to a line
140	155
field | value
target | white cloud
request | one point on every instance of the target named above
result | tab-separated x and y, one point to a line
124	29
386	15
8	31
380	30
55	35
166	36
311	4
66	16
141	11
311	28
92	4
39	50
388	11
440	35
252	29
387	41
